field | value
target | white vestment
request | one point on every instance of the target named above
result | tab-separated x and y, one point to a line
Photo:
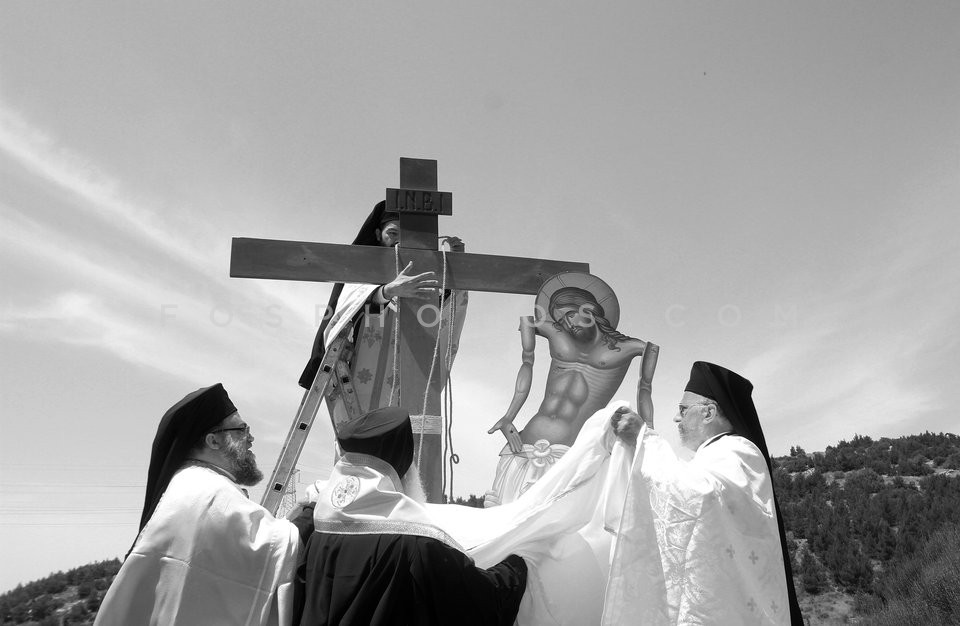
373	358
207	556
699	542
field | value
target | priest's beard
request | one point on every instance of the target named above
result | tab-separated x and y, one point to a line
243	464
412	486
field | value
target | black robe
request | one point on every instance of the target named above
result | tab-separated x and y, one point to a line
375	580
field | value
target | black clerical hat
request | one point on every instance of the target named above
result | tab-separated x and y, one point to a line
733	393
384	433
180	430
389	216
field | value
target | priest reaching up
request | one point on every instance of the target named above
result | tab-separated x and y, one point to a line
205	554
369	312
377	557
701	542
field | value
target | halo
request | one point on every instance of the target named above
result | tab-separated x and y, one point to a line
600	290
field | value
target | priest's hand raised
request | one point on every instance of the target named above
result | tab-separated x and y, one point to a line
406	285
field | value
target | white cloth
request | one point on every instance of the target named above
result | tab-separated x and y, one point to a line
561	525
207	556
372	363
699	541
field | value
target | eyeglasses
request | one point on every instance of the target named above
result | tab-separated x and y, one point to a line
686	407
245	429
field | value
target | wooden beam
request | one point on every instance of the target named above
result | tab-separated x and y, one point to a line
327	262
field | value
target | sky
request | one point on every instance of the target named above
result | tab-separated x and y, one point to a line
769	186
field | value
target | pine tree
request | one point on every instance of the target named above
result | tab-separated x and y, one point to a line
812	575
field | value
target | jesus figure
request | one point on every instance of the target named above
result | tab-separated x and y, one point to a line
578	315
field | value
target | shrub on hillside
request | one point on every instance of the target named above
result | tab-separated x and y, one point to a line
924	589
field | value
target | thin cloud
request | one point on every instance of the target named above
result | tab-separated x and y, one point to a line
91	191
866	362
142	321
86	320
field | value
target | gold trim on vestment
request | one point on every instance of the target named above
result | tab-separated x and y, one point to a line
385	527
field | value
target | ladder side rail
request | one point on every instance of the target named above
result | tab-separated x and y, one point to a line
347	394
297	436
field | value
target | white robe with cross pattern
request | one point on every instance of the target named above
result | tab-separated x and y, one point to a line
699	541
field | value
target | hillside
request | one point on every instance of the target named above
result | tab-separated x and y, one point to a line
864	512
874	529
71	597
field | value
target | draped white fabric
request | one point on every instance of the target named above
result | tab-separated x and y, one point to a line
562	525
208	555
699	541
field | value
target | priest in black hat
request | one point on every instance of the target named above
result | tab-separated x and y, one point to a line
369	313
377	555
701	542
205	553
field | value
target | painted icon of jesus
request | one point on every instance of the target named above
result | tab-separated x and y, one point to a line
578	314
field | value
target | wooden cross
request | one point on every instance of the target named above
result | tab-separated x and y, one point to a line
419	203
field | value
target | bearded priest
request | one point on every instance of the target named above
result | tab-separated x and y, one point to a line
205	554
